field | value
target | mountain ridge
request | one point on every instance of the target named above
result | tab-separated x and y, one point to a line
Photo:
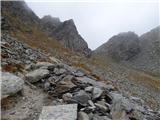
22	15
141	52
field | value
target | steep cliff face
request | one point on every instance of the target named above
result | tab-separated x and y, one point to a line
18	17
65	32
141	53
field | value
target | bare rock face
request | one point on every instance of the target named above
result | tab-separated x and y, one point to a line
65	32
123	46
19	9
49	23
16	15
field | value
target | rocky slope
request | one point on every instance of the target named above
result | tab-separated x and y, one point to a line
123	46
55	83
141	53
18	17
44	73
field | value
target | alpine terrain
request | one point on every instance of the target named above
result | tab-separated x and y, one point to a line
49	72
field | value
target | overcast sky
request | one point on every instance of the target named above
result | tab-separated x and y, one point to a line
98	21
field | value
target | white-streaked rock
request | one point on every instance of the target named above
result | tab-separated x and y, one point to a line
59	112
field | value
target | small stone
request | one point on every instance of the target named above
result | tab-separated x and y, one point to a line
82	97
97	92
97	117
110	87
91	104
65	84
101	107
83	116
67	97
44	65
59	71
12	113
89	89
79	73
47	86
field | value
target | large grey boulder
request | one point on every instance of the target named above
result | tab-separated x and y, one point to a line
11	84
36	75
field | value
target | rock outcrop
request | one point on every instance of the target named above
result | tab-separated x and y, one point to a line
65	32
49	24
17	16
18	9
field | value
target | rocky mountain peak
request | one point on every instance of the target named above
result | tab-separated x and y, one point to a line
67	33
17	16
19	9
121	47
49	20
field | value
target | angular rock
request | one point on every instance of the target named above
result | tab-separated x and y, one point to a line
89	89
123	102
47	86
83	116
67	97
82	97
79	73
59	112
11	84
91	104
97	117
97	92
118	110
44	65
36	75
65	84
91	81
59	71
102	107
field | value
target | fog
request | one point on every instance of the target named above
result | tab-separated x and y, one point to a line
98	21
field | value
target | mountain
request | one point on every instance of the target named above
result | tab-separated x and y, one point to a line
123	46
142	53
19	17
41	67
65	32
